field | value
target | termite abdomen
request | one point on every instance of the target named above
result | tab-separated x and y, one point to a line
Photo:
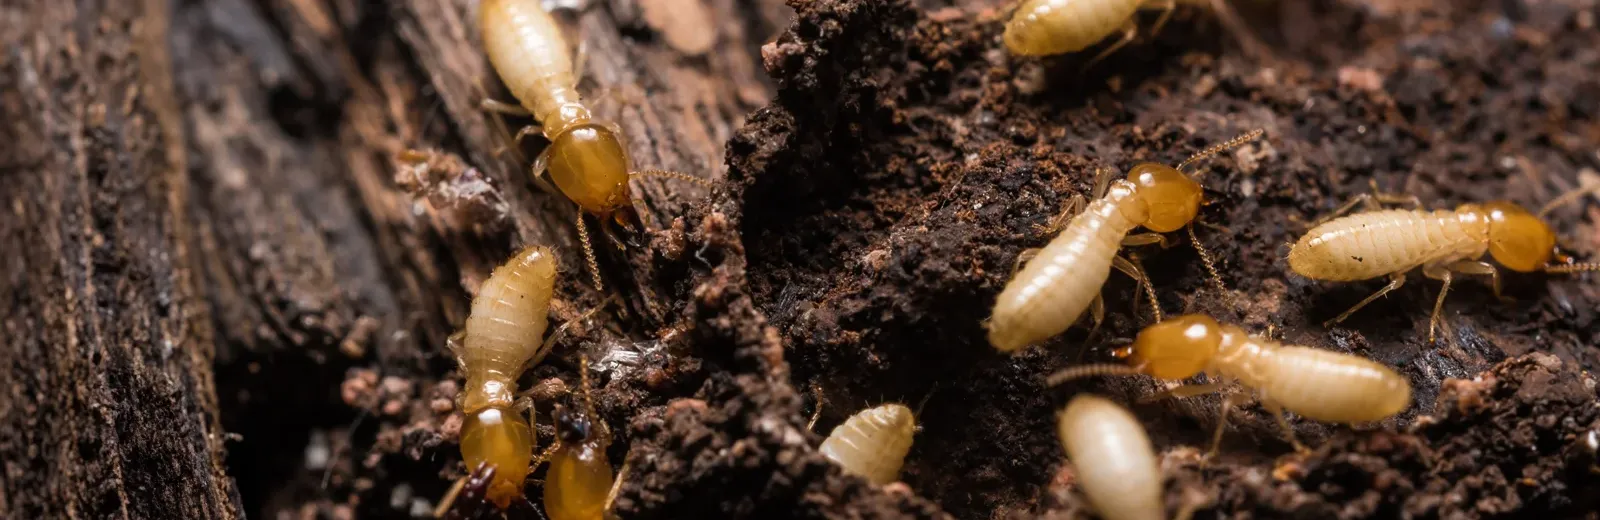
1116	465
873	443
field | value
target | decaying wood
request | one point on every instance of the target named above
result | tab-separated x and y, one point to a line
205	190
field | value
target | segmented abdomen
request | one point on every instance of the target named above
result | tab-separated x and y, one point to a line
1113	458
527	49
873	443
1377	243
1330	386
1042	27
509	315
1060	282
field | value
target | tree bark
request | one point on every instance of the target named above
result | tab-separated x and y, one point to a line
206	191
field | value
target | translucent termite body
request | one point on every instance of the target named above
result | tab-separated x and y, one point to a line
1317	384
1442	242
578	485
504	331
873	443
1064	278
1114	460
585	157
1045	27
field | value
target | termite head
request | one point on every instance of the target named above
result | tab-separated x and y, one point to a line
571	427
504	441
1172	197
1175	349
587	162
1518	239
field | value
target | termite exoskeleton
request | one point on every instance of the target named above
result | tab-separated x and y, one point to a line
1064	278
1115	462
585	158
873	443
579	483
1317	384
503	335
1442	242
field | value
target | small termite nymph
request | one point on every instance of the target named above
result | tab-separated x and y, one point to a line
579	484
1114	460
1063	279
1317	384
504	332
873	443
1442	242
585	159
1045	27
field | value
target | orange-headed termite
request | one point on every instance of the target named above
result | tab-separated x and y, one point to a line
873	443
1114	460
1391	242
1064	278
503	334
586	159
1318	384
578	485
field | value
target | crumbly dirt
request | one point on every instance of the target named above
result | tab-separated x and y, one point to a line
872	212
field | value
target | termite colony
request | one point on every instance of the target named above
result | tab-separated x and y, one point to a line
1051	290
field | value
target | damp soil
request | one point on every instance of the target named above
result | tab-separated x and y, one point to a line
873	211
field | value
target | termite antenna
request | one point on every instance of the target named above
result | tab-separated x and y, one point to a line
925	398
1569	197
1149	289
1581	267
588	253
1096	370
675	176
1219	148
1205	258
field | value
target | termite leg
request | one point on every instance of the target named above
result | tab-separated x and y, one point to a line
1102	182
1023	258
1288	431
501	107
1144	239
616	485
1395	281
1130	266
1129	30
816	393
1073	206
1183	391
1482	269
1097	315
456	342
525	132
1370	201
1222	422
1441	273
1166	7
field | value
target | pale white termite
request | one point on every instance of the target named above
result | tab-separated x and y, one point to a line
1113	458
503	335
586	159
1441	242
873	443
1064	278
1317	384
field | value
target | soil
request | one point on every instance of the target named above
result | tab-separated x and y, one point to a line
874	209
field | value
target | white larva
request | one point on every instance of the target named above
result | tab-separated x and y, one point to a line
873	443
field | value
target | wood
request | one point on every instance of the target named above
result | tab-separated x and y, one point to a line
205	191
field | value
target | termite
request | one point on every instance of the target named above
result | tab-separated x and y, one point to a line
873	443
504	333
585	158
1392	242
1064	278
579	484
1115	462
1045	27
1317	384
